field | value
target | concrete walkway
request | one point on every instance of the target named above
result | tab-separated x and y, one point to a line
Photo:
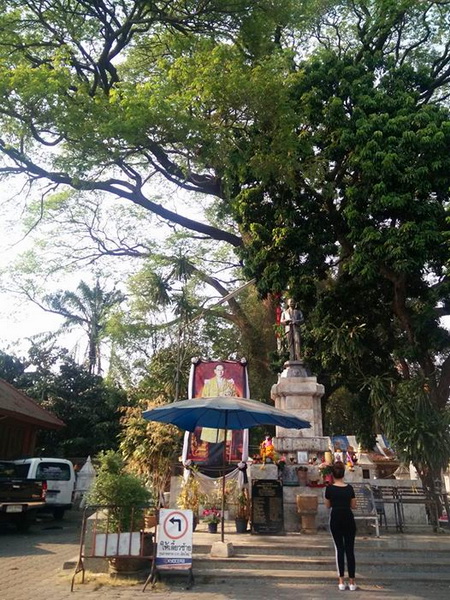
31	567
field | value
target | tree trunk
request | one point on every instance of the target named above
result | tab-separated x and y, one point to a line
432	487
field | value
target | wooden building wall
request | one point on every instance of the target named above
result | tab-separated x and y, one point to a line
16	438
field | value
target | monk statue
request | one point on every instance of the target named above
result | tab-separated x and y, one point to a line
292	318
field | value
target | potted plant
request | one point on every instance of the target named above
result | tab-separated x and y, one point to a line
325	469
242	510
190	496
123	498
151	515
212	507
212	517
240	501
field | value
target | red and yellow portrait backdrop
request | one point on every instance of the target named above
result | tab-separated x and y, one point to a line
211	379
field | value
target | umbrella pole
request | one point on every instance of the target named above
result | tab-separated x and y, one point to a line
222	520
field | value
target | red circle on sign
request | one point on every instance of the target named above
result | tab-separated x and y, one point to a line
183	529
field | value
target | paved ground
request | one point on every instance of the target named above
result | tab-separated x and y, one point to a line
31	568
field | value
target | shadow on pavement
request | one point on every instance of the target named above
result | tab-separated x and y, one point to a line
42	537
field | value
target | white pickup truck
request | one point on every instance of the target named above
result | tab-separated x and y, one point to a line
60	477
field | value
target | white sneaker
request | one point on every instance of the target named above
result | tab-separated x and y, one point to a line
341	586
352	587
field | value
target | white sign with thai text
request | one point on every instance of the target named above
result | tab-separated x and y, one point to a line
117	544
174	539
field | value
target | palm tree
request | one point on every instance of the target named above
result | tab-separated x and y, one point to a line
88	308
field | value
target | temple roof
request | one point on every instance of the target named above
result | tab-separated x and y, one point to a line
381	451
17	405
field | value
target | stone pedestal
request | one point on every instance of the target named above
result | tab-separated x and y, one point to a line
298	392
307	506
260	471
222	550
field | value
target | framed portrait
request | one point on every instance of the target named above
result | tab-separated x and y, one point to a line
302	456
210	379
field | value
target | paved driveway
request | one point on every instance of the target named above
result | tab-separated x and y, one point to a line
31	569
30	563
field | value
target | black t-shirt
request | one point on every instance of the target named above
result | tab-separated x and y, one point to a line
340	497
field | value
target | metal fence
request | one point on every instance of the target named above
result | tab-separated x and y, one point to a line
124	536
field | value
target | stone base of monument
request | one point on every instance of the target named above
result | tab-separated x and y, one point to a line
295	368
263	471
292	522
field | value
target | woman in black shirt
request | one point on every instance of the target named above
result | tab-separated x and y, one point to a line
340	497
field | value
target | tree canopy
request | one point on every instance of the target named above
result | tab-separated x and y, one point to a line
71	82
89	405
322	128
89	308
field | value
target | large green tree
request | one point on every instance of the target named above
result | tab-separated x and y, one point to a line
89	405
322	128
355	217
11	367
84	80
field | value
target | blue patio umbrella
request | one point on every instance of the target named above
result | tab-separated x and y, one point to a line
222	412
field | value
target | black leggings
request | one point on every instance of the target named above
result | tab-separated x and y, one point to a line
343	530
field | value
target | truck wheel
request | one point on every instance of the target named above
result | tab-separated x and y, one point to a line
23	524
58	514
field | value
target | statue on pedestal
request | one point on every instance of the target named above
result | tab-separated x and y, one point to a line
292	318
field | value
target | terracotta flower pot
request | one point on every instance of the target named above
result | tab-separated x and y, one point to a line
133	566
149	521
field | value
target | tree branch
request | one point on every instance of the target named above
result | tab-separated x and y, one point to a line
121	189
